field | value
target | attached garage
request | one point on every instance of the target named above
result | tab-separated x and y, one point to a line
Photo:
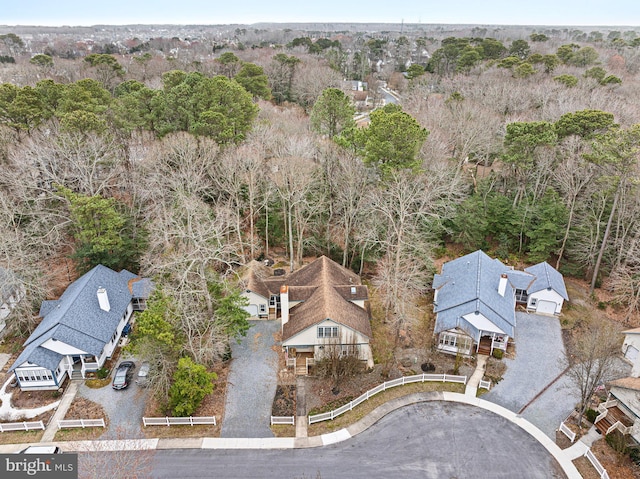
545	307
252	309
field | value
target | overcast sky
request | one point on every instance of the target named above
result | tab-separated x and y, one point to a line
501	12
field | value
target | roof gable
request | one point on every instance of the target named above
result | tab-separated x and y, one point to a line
547	277
469	284
326	303
77	319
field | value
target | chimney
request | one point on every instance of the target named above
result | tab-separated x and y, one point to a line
284	303
103	300
502	285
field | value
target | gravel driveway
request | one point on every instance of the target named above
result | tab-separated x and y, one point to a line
539	360
251	384
124	408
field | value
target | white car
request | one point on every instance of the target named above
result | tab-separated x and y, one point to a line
41	450
143	375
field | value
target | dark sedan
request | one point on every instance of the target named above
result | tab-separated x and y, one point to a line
123	375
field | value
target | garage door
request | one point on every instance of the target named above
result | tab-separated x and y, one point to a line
252	309
631	353
546	307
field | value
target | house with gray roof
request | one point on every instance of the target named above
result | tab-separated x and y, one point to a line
80	330
475	298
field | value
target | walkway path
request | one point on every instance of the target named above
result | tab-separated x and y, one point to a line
252	382
61	412
471	389
301	408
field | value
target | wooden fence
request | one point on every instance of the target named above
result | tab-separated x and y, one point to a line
178	421
21	426
418	378
283	420
68	423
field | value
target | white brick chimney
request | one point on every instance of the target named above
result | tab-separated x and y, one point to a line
502	285
284	303
103	300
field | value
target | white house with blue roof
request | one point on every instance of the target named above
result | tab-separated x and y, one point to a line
80	331
475	298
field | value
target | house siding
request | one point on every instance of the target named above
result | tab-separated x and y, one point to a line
256	300
545	295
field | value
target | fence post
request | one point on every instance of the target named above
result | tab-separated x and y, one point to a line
24	423
191	420
167	419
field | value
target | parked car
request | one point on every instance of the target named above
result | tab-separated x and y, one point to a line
41	450
123	375
143	375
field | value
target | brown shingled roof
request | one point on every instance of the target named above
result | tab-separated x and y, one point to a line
627	383
255	284
322	270
326	303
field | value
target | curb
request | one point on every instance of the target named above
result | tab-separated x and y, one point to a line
317	441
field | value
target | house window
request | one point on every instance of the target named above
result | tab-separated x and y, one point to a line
262	308
462	343
327	331
521	295
534	301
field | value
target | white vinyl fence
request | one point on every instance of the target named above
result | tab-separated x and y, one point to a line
567	432
178	421
283	420
594	461
418	378
21	426
485	384
68	423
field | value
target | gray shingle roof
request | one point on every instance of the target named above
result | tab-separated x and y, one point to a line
470	284
547	277
520	279
76	318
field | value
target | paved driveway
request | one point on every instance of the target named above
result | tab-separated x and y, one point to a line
124	407
433	440
251	384
539	360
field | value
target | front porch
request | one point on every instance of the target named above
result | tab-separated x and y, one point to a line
300	361
612	416
458	342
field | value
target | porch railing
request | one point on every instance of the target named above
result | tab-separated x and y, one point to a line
383	387
620	427
291	363
310	362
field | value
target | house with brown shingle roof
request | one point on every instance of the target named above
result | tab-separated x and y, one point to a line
322	305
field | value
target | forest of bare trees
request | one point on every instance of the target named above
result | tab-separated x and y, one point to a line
518	146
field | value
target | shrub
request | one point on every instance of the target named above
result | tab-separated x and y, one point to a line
428	367
498	353
102	373
591	415
191	383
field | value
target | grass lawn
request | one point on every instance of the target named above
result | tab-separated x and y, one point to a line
360	411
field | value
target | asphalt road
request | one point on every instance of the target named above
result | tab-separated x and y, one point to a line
426	440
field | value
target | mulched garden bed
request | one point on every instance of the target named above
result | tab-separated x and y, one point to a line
284	401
